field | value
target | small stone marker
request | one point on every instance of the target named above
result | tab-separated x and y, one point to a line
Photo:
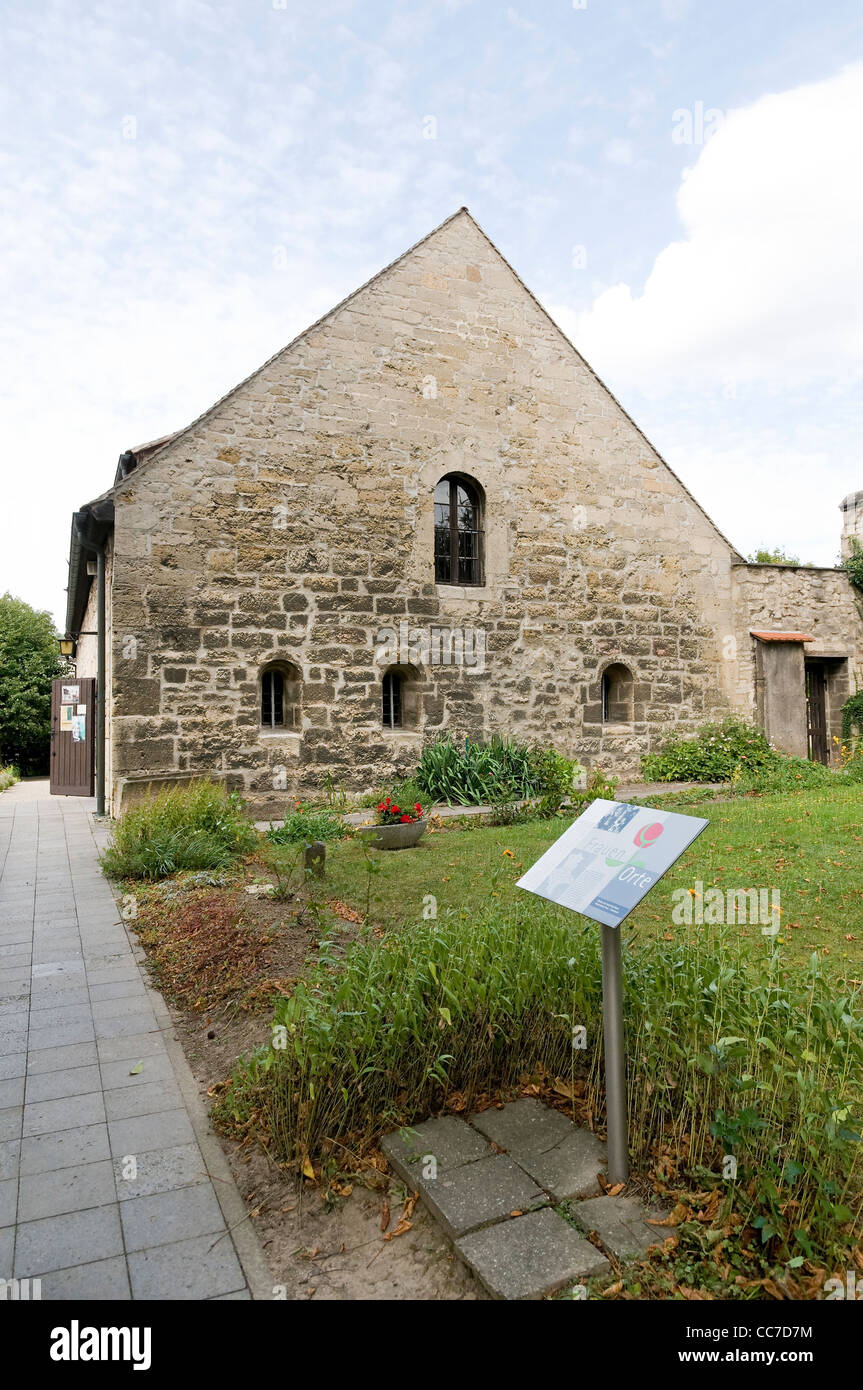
619	1222
314	857
530	1256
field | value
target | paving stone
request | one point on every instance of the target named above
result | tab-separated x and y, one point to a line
8	1200
13	1064
60	1242
160	1171
10	1122
137	1046
530	1256
619	1223
69	1081
199	1268
7	1242
101	1279
449	1140
68	1112
66	1189
463	1199
43	1153
116	1075
523	1127
50	1059
181	1214
10	1153
146	1099
153	1131
570	1168
11	1092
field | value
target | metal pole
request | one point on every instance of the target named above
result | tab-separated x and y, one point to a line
615	1064
100	682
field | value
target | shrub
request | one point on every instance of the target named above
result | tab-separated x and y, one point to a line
496	772
303	827
8	777
727	1055
714	754
200	826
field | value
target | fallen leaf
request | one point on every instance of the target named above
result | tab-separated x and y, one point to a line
385	1215
399	1230
137	1069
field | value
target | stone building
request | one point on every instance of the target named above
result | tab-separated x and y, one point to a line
427	515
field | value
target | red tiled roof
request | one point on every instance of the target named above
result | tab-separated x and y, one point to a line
781	636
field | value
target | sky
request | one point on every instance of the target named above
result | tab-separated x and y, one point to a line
185	186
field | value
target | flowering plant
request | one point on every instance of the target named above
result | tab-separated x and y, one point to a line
391	814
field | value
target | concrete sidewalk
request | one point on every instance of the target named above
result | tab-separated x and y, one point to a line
111	1185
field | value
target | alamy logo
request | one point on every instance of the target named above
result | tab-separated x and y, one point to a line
20	1290
432	646
77	1343
716	907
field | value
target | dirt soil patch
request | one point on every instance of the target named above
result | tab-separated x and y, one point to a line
220	955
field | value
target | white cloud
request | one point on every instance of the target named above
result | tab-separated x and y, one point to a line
765	287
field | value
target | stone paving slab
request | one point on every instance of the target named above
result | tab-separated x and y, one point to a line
523	1127
530	1256
463	1199
105	1177
619	1223
569	1169
448	1140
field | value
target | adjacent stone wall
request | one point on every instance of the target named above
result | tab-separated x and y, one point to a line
87	653
295	521
822	604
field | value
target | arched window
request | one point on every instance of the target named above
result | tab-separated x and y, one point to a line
401	698
392	700
458	538
617	692
280	696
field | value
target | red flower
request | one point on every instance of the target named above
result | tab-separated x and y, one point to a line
382	806
417	807
405	816
395	810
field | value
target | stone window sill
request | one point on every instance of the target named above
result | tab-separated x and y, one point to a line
463	591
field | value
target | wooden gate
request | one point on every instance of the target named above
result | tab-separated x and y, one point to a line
73	736
816	712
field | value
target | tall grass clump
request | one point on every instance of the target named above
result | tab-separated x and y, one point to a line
199	826
8	777
726	1056
503	769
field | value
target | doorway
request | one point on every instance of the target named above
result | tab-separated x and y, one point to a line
816	712
73	736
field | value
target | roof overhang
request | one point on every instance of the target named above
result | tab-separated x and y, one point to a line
780	636
91	527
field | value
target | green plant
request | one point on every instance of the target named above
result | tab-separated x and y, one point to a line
714	754
303	827
501	770
8	777
852	713
199	826
729	1053
853	564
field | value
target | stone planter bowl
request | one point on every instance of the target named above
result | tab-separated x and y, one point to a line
397	836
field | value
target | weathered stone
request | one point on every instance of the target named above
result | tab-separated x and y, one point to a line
569	1169
523	1127
620	1224
530	1256
450	1141
475	1194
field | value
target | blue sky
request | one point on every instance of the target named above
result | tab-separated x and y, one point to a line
186	185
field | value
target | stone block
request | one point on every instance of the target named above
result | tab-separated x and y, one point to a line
530	1256
620	1224
475	1194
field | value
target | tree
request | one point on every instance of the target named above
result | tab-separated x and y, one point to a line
29	661
773	557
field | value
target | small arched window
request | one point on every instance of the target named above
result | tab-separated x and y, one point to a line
617	693
401	698
458	537
392	700
280	696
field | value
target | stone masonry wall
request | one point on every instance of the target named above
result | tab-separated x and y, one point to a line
295	520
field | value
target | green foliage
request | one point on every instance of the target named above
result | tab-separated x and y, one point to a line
732	1055
303	827
494	773
200	826
29	661
776	556
852	713
8	777
853	564
716	753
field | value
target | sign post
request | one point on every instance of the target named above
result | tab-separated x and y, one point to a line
602	866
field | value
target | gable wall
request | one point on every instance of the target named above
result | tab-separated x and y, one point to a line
295	522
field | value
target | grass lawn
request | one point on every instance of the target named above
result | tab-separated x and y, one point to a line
809	845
